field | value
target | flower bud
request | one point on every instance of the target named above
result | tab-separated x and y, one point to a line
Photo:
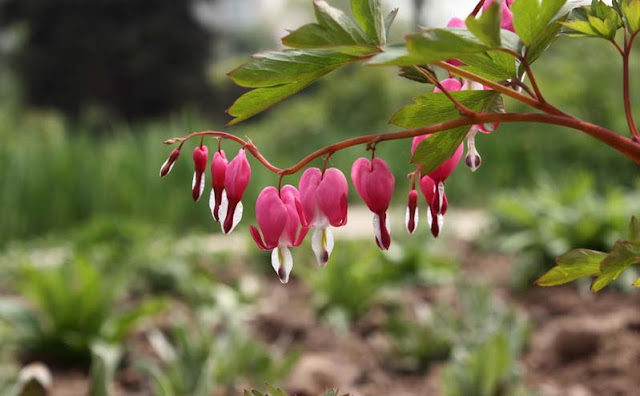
200	157
219	165
374	183
411	218
168	164
236	180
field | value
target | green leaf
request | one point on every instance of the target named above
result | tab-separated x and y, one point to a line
530	17
396	55
623	255
434	108
410	73
576	264
258	100
368	14
388	21
487	27
494	65
312	35
636	283
631	12
280	74
437	148
544	40
341	29
634	230
281	67
580	29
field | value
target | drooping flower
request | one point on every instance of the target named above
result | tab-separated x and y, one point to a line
411	217
507	15
374	183
200	157
281	219
324	200
236	179
219	165
432	187
171	160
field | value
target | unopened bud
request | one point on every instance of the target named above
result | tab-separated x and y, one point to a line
200	157
168	164
411	217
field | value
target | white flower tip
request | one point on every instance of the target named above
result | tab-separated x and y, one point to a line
322	244
411	222
282	262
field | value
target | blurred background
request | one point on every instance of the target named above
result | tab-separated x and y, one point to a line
112	281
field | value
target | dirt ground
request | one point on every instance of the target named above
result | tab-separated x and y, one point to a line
582	344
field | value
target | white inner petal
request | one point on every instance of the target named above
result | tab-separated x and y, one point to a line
316	245
376	229
440	221
165	164
193	182
282	262
237	216
223	208
202	177
407	217
440	196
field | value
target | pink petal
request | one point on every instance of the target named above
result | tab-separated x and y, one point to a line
308	185
237	176
271	214
450	84
379	186
331	196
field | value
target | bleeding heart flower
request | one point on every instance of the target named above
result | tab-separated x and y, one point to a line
200	157
219	165
281	219
236	179
324	200
374	183
168	164
411	217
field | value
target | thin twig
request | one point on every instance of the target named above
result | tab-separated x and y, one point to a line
464	110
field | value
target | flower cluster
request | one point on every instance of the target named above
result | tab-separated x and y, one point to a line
285	215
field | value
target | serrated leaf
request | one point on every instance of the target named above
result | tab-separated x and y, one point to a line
281	67
258	100
634	230
487	27
576	264
623	255
368	14
341	29
494	65
280	74
312	35
531	17
434	108
396	55
580	28
437	148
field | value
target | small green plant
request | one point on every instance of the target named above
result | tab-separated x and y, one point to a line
420	340
541	224
271	391
71	307
351	284
487	370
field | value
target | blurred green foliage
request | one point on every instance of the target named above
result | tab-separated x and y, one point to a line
72	306
356	277
435	333
555	215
